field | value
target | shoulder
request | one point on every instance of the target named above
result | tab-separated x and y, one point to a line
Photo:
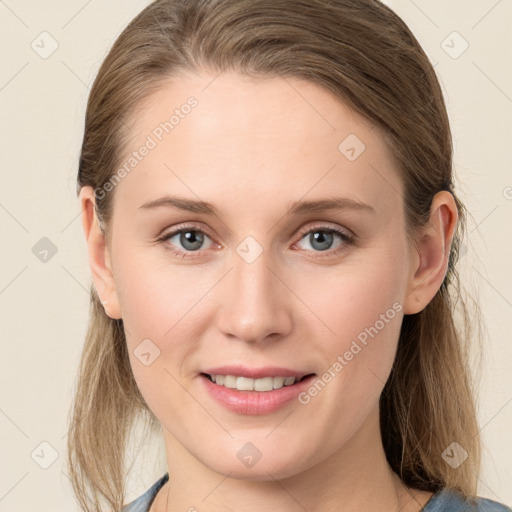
143	502
449	500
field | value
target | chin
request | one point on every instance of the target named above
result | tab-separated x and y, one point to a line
258	474
263	468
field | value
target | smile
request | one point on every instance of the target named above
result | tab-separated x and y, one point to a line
249	384
255	395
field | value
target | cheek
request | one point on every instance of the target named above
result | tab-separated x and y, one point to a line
156	295
164	309
361	312
354	297
158	312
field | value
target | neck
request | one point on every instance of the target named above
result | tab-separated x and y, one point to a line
355	477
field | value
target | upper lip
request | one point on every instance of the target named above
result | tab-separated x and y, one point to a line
256	373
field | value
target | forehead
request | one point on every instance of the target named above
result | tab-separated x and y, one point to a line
239	140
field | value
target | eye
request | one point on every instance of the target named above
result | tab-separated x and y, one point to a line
190	238
321	239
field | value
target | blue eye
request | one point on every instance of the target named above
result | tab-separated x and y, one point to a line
321	240
191	239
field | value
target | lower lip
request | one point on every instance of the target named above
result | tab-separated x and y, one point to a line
254	403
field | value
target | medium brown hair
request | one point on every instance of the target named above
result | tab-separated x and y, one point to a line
363	53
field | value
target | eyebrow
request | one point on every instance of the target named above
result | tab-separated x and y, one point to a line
296	208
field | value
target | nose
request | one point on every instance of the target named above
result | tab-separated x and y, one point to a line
255	303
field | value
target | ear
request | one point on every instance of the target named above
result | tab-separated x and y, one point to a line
429	259
99	254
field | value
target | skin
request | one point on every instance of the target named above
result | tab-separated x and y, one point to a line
251	147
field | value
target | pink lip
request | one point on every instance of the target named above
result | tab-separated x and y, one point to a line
255	373
254	403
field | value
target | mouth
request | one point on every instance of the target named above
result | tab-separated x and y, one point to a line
262	384
255	391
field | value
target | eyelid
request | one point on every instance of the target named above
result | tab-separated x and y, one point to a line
323	226
183	227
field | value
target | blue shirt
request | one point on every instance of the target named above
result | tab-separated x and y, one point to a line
443	501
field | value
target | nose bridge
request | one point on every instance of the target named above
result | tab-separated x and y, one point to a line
256	304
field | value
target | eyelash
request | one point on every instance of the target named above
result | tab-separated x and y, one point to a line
346	238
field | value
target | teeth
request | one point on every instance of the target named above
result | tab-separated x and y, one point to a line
248	384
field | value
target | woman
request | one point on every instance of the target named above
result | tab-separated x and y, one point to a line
273	233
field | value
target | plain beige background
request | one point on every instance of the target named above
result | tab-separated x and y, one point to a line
44	295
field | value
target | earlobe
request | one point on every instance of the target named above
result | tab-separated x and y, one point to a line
99	255
430	263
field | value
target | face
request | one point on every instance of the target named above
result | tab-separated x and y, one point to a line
262	287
